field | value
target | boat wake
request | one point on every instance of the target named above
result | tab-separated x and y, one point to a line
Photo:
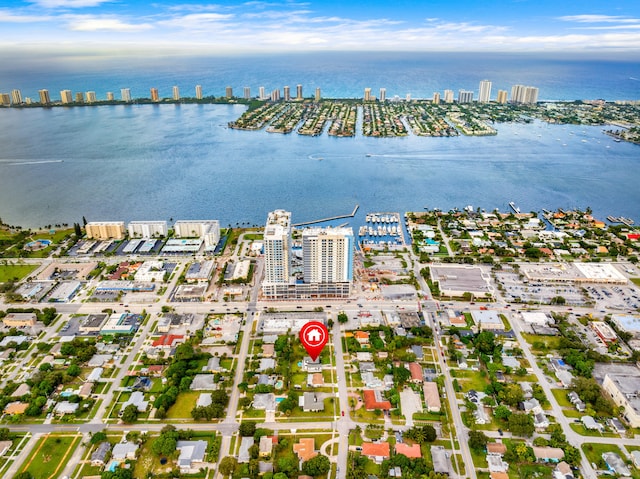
35	162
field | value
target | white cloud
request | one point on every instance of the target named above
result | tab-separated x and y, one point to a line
7	16
598	19
69	3
86	23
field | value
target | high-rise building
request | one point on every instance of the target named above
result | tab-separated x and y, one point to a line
104	230
155	96
286	93
261	93
247	93
176	93
408	97
147	229
110	96
531	95
16	97
327	255
5	99
198	92
383	94
125	94
275	95
318	94
45	99
448	96
436	97
367	94
207	230
299	92
228	92
484	94
79	97
277	248
91	97
524	94
502	96
465	96
66	97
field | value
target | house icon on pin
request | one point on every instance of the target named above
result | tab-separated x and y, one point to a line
314	336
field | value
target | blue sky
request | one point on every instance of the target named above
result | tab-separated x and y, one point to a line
592	26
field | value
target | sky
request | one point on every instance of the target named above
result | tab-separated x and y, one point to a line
564	26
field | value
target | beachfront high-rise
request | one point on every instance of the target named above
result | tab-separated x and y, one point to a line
91	97
198	92
79	97
465	96
176	93
524	94
383	94
484	94
125	94
45	99
247	93
502	97
318	94
66	97
16	97
110	96
228	92
277	248
436	97
286	93
367	94
448	96
299	92
261	93
155	96
327	255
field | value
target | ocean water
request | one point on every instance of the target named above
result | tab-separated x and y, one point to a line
140	162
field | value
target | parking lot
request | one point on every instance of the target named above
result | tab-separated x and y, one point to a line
615	296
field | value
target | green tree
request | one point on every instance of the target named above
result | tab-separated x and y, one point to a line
316	466
477	440
342	317
228	465
247	428
130	414
521	424
98	437
23	475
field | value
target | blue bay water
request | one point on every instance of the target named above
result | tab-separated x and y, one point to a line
142	162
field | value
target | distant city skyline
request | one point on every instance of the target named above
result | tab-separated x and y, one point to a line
224	27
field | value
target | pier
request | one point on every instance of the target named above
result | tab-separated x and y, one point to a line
331	218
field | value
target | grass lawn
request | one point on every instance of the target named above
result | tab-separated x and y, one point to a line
183	406
542	343
561	397
580	429
635	281
469	380
148	462
538	471
50	455
594	452
19	271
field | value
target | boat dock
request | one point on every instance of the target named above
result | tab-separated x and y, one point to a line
331	218
514	207
621	219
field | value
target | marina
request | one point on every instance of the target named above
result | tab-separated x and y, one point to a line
381	230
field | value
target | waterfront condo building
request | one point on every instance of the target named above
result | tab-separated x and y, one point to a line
110	96
286	93
327	255
155	96
176	93
228	92
465	96
207	230
277	248
91	97
448	96
147	229
5	99
125	94
66	97
383	94
318	94
45	99
275	95
79	97
16	97
524	94
367	94
261	93
436	97
484	93
105	230
502	96
299	92
247	93
198	92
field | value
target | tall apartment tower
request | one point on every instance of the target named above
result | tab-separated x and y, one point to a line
228	92
198	92
502	96
286	93
155	96
261	93
383	94
327	255
110	96
531	95
465	96
484	94
176	93
91	97
66	97
299	92
79	97
275	95
246	93
367	94
45	99
277	247
524	94
448	96
5	99
436	97
125	94
318	94
16	97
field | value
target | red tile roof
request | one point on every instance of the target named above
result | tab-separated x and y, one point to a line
380	449
167	340
370	402
412	452
416	372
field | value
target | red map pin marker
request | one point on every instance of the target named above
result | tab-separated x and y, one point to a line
313	336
